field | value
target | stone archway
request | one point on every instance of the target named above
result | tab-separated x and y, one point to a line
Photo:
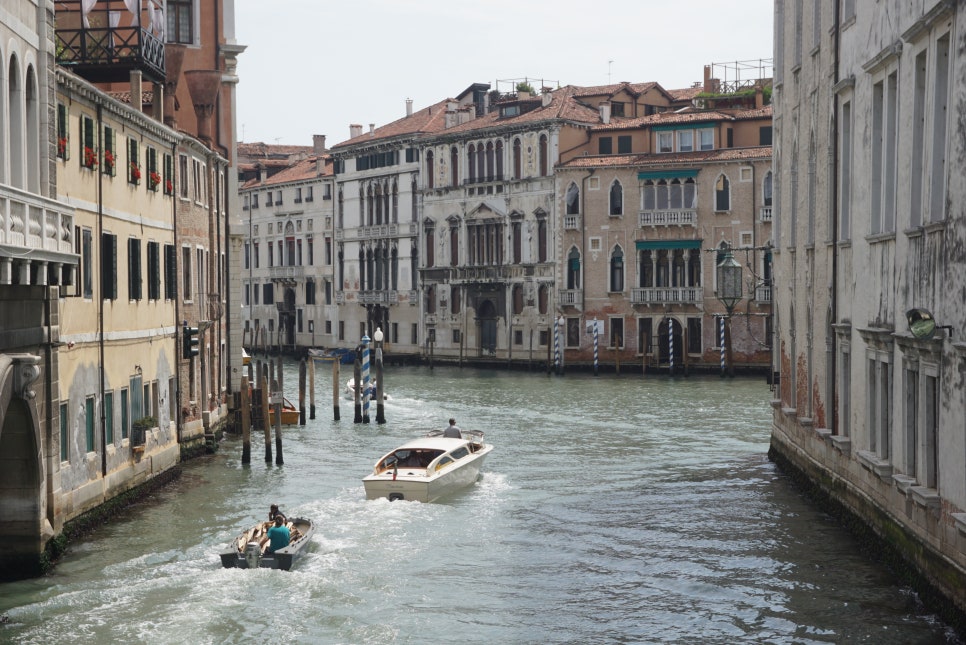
21	470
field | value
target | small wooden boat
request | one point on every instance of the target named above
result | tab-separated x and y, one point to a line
342	355
250	549
290	415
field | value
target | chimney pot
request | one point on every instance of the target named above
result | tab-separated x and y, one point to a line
409	107
372	129
355	130
318	144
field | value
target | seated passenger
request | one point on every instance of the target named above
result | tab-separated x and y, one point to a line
278	536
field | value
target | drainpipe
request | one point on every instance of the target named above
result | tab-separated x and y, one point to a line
833	291
177	294
100	300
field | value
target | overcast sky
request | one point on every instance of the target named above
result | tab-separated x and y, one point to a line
315	66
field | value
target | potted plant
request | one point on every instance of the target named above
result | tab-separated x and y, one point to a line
62	147
134	173
90	157
109	162
153	180
168	187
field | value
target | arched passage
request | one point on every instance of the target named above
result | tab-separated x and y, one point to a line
21	492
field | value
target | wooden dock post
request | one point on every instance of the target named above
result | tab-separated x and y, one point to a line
335	388
357	375
302	368
246	419
312	389
277	398
265	425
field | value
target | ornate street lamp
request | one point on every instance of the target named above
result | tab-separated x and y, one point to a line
729	293
380	407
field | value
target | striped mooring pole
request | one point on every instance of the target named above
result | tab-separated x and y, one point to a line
365	378
722	341
556	347
670	343
595	348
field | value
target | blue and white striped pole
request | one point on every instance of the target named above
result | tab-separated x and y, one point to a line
722	342
670	342
556	347
595	347
365	378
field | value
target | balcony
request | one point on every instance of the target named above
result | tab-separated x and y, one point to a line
678	217
765	213
285	274
667	295
106	45
571	297
36	228
572	222
763	293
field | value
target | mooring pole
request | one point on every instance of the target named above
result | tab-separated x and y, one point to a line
246	419
302	370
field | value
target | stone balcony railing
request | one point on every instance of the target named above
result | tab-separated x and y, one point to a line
763	294
677	217
667	295
33	222
287	273
571	297
765	214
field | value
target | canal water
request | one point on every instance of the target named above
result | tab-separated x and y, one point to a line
613	510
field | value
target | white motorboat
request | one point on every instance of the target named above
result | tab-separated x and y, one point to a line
428	468
350	391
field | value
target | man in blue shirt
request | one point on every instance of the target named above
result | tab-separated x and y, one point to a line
278	536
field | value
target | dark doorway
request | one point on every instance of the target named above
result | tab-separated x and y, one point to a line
486	315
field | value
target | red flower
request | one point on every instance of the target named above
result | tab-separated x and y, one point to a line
168	187
62	146
90	157
135	173
154	179
109	160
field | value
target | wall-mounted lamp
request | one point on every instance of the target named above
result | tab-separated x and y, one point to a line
922	324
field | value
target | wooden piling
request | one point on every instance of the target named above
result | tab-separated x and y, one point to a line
312	389
335	388
265	425
246	421
302	368
357	375
277	394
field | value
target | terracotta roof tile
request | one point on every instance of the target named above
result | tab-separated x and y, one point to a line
302	170
259	149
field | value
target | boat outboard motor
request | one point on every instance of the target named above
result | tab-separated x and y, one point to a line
253	554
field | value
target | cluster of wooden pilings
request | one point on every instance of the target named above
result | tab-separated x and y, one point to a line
261	406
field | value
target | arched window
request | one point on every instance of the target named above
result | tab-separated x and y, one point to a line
454	162
543	156
573	199
362	269
430	246
517	299
455	306
499	161
517	159
543	299
395	202
431	299
17	123
369	206
341	209
471	162
617	270
722	194
490	173
454	244
616	198
676	197
645	264
430	169
663	195
648	196
573	269
690	194
481	162
33	132
541	239
766	189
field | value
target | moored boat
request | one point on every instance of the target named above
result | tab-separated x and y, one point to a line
428	468
290	415
250	549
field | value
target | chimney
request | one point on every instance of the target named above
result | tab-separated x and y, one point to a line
546	98
372	129
355	130
318	144
173	62
450	119
409	107
707	78
203	86
759	97
137	93
604	112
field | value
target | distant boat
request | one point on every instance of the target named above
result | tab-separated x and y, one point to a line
250	549
246	357
350	391
344	356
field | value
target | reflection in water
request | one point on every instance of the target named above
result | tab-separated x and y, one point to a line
612	510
